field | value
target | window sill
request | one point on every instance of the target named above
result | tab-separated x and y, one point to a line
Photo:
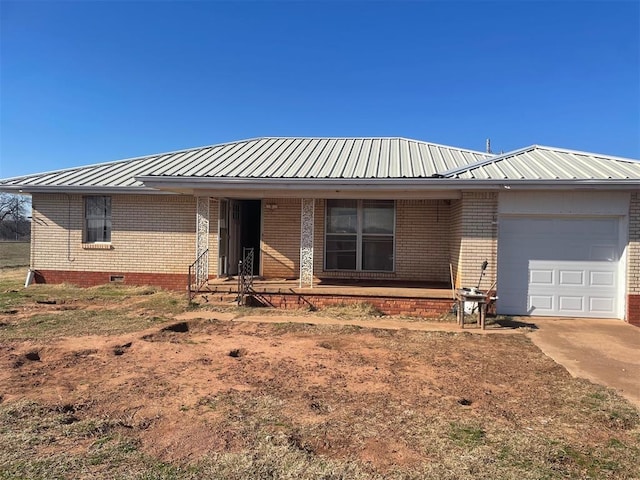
97	246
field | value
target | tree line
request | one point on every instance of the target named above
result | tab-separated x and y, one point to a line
15	222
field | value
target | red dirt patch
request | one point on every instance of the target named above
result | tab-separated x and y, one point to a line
208	386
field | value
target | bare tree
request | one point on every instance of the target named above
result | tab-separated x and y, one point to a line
13	216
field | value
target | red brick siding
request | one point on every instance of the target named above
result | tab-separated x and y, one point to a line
419	307
633	310
92	279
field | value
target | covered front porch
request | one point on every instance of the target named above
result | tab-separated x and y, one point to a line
401	256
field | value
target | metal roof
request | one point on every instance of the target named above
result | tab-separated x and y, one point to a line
322	162
272	158
546	163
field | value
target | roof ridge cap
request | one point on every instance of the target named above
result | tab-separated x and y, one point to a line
407	139
583	152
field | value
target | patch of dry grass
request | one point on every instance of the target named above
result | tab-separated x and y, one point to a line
272	445
352	310
14	254
78	323
40	311
107	451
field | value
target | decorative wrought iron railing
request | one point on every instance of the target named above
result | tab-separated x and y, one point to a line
245	275
198	274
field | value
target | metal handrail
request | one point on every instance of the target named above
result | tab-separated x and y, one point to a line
196	275
245	274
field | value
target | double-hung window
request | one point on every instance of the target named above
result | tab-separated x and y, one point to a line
360	235
97	214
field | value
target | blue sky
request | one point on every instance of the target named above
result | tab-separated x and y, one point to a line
86	82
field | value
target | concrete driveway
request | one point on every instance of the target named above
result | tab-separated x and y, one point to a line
603	351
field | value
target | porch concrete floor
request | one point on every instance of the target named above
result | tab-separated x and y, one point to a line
360	289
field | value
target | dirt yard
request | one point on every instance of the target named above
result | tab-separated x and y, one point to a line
224	398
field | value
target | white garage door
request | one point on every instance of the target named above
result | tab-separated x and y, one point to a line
558	266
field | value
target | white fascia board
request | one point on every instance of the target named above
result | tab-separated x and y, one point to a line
377	184
306	184
372	194
84	189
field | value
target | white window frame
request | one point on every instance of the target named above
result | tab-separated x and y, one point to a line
359	234
103	217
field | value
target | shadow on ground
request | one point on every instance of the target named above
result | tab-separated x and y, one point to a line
508	322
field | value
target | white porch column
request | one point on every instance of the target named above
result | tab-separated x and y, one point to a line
202	239
306	243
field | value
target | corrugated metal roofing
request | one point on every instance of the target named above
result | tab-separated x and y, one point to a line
546	163
293	158
334	158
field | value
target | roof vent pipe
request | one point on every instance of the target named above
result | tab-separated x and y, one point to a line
488	145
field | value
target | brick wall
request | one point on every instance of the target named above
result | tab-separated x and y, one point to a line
214	206
417	307
421	243
455	241
475	227
633	261
318	253
170	281
156	234
281	237
150	233
422	240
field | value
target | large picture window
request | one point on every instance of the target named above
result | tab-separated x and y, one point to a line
97	213
359	235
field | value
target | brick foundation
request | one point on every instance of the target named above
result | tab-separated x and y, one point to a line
633	310
417	307
170	281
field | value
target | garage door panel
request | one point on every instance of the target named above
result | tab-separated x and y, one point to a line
541	277
540	302
573	304
599	278
602	305
571	277
558	266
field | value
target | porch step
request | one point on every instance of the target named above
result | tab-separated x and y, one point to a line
420	302
216	298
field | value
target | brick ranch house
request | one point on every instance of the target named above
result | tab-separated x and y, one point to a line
560	229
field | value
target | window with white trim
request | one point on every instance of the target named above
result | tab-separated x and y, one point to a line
359	235
97	215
